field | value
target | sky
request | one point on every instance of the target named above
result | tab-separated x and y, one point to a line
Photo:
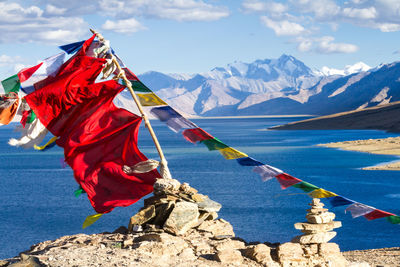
192	36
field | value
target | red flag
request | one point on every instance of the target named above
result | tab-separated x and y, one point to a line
376	214
98	143
98	138
196	135
286	180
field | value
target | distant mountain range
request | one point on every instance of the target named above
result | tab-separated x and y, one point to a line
277	87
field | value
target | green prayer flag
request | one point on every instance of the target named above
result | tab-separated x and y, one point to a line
79	191
214	144
306	187
138	86
393	219
11	84
32	117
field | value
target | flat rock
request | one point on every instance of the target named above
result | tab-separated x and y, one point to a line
290	252
229	244
317	238
229	256
326	249
260	253
209	205
166	185
183	217
314	228
142	217
326	217
217	228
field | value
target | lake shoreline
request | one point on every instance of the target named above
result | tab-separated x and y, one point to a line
382	146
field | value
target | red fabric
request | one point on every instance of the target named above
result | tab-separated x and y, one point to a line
25	115
26	73
376	214
196	135
98	138
130	75
57	95
286	180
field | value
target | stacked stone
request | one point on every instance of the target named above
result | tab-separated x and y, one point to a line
312	247
174	208
319	225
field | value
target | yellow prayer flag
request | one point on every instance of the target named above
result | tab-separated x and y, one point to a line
321	193
150	100
231	153
52	140
91	219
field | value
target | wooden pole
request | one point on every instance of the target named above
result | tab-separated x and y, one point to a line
165	173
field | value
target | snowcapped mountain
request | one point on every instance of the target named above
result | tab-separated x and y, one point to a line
348	69
276	86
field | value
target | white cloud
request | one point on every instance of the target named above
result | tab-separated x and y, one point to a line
327	46
283	27
249	6
360	13
321	9
123	26
53	10
304	44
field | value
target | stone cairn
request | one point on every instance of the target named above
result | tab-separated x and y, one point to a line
174	208
312	247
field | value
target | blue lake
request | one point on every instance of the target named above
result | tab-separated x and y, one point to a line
37	201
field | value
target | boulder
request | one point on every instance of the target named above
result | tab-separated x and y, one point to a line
142	217
209	205
317	238
229	256
183	217
218	227
260	253
290	252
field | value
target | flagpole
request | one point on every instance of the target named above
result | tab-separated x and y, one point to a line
165	173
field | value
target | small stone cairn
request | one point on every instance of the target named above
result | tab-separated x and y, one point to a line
312	247
174	208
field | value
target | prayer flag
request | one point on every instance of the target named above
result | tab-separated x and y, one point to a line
31	76
214	144
337	201
249	162
150	99
51	143
376	214
91	219
72	48
130	75
11	84
321	193
393	219
196	134
32	134
172	118
231	153
286	180
8	107
267	172
358	209
306	187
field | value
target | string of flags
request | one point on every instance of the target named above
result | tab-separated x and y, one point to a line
21	99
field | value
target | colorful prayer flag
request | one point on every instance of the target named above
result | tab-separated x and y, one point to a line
11	84
214	144
151	99
32	134
72	48
285	180
267	172
376	214
337	201
231	153
249	162
393	219
321	193
196	134
8	107
306	187
31	76
172	118
358	209
91	219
